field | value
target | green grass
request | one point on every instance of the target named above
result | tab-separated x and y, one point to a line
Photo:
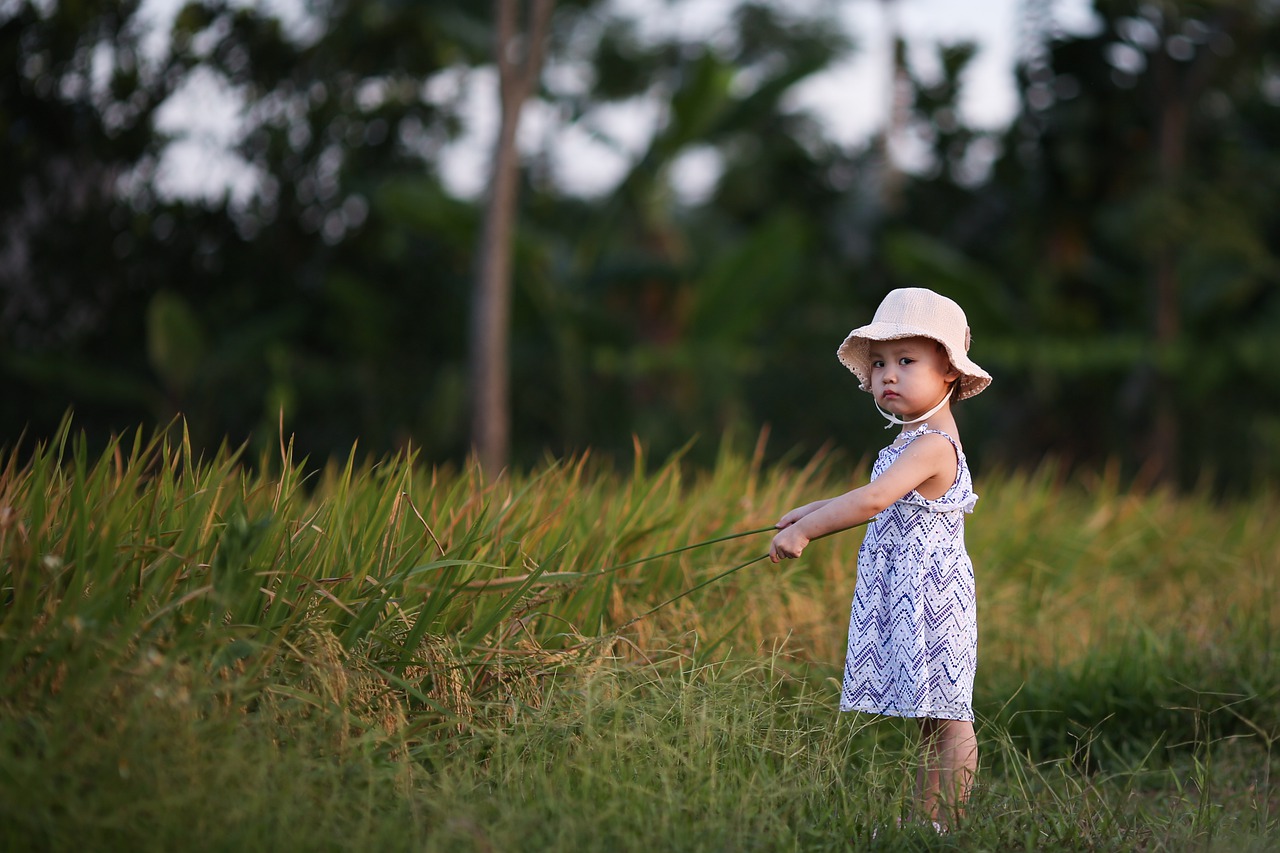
206	653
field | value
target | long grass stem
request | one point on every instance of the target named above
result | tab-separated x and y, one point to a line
680	550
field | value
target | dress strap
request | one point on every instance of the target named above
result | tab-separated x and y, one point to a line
946	436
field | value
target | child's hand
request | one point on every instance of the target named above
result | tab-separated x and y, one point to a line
788	544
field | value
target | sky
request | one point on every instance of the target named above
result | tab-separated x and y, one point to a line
589	158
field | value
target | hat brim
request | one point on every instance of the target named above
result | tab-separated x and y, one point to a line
855	354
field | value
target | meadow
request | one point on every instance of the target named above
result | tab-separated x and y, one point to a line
217	652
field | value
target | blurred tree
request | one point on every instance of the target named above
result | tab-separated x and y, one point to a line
684	305
1128	207
1115	248
353	265
78	94
132	306
518	52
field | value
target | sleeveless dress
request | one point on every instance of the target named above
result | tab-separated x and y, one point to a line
913	631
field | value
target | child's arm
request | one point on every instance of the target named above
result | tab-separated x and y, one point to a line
927	457
801	511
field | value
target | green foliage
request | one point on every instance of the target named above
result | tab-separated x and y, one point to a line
1114	246
175	342
1131	225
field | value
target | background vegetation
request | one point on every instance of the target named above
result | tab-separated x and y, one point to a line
1115	246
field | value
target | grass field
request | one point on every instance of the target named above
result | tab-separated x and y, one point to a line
259	654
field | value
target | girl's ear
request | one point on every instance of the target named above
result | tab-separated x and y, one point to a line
952	374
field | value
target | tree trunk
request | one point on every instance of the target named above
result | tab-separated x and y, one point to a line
518	56
1163	448
898	113
1178	91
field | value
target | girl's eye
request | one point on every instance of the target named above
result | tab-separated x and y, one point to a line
904	361
877	364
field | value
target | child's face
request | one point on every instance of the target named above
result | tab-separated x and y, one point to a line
910	376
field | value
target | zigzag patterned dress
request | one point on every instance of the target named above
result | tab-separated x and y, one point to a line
913	632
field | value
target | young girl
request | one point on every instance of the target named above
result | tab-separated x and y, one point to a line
913	633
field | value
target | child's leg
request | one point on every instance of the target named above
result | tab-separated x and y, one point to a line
948	762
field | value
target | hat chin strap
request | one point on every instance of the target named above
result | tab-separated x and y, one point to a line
894	420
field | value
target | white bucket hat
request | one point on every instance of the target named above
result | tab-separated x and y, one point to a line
911	312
